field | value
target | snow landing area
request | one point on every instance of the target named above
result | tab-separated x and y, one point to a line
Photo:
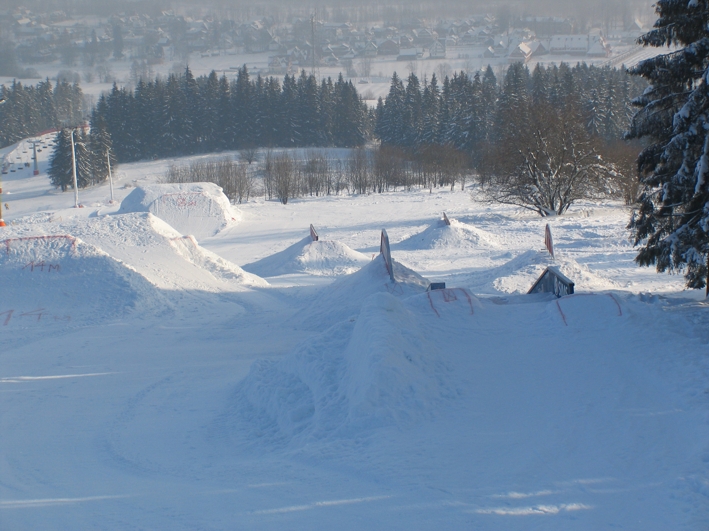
249	379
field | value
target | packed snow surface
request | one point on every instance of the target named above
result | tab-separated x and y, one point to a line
147	381
197	209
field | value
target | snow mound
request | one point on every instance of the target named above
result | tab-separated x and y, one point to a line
322	257
377	370
60	279
518	275
343	298
456	235
157	251
199	209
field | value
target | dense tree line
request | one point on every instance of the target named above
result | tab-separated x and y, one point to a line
540	140
183	115
29	110
472	112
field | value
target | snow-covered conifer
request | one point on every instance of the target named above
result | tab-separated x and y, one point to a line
672	224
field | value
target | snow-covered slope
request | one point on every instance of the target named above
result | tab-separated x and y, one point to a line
184	393
558	406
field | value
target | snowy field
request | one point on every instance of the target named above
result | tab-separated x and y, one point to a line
249	378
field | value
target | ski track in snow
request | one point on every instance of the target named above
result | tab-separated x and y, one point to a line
151	380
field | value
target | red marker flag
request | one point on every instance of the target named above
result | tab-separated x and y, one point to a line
548	243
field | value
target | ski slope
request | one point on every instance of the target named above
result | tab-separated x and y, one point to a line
249	379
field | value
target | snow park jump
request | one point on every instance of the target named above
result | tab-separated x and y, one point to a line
311	255
199	209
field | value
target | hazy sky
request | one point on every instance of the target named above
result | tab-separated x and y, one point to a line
356	10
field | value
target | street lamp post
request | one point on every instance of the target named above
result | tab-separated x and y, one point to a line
2	222
73	170
110	177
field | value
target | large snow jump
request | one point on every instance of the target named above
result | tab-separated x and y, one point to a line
197	209
59	279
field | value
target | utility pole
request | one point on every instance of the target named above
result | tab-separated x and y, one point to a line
110	177
312	39
2	222
34	156
73	170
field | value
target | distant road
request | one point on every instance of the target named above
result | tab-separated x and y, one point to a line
635	55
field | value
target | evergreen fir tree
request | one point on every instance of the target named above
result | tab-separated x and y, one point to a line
224	117
210	113
379	117
350	115
175	135
47	109
60	163
445	115
672	223
512	106
412	111
100	148
242	129
192	116
489	99
84	160
430	109
308	110
327	108
270	114
594	120
289	128
391	126
610	126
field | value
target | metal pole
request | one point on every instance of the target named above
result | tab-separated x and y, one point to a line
73	169
34	151
2	222
110	177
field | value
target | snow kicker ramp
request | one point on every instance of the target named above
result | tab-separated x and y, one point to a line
167	259
197	209
518	274
343	298
322	257
457	235
551	414
60	279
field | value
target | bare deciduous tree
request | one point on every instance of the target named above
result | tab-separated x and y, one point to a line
232	177
358	170
284	177
248	154
546	168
